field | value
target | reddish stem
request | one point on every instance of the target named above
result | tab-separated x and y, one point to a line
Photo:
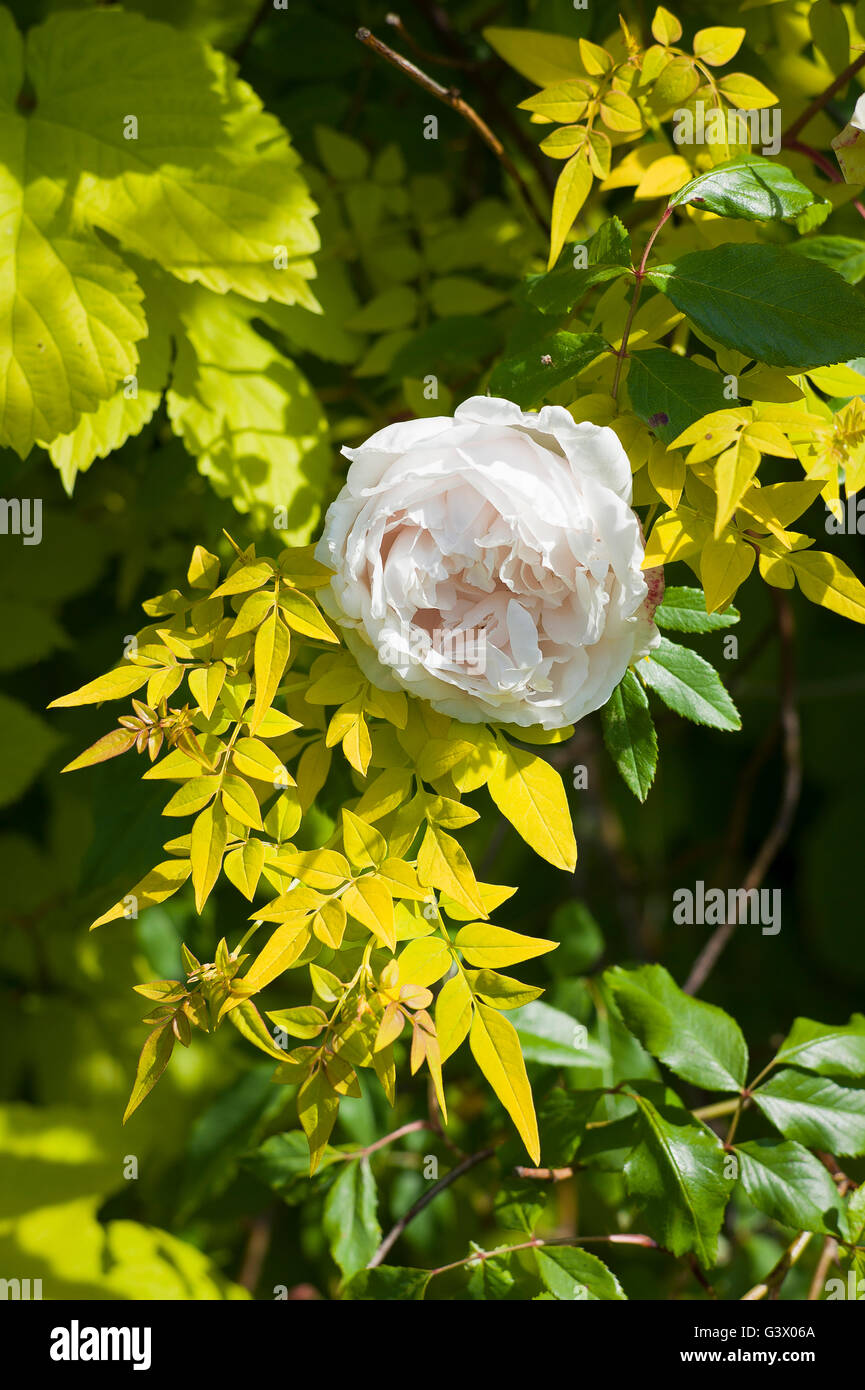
822	162
639	277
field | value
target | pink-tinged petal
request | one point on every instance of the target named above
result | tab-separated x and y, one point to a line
490	563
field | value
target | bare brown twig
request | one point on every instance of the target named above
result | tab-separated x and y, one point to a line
738	820
791	790
257	1246
396	1231
254	24
395	22
438	19
451	97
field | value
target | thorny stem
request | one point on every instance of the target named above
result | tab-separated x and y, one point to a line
639	277
451	97
819	102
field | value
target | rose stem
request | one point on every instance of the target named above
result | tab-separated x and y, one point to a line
639	277
823	163
819	102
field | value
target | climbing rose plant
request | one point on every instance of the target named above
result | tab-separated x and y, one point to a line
684	388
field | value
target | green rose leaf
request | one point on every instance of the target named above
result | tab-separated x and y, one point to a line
855	1215
676	1173
490	1280
689	685
816	1111
282	1163
697	1041
571	1273
763	302
751	187
388	1282
562	1119
830	1050
842	254
350	1217
453	344
555	1039
789	1184
527	377
629	734
608	255
662	383
684	610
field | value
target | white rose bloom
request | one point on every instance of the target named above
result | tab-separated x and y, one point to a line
490	563
849	146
